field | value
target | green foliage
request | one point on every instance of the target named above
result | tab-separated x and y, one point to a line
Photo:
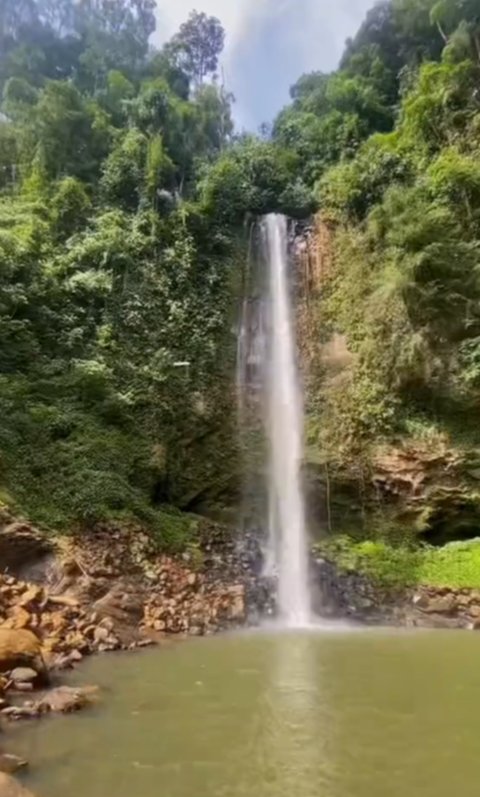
255	177
123	191
455	566
123	171
404	292
69	135
111	274
71	206
350	188
383	564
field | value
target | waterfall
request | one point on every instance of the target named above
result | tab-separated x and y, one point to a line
270	397
287	526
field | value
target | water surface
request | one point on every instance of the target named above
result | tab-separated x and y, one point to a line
297	714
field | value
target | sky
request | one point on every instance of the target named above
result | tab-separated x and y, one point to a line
269	44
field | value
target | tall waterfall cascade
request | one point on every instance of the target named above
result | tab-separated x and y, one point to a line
268	378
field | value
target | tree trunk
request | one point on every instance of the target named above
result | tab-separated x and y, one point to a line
442	33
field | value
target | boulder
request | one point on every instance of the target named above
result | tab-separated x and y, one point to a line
24	675
65	700
122	603
21	648
18	618
10	763
441	604
436	602
11	788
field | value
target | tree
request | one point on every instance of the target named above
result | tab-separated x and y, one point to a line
197	46
215	124
116	36
458	23
123	172
71	135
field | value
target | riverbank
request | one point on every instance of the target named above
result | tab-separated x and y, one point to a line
109	589
103	590
376	583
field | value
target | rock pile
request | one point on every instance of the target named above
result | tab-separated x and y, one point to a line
59	625
445	608
188	602
107	590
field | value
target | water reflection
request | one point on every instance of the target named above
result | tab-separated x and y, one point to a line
293	747
307	714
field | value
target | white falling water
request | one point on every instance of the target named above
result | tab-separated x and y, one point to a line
287	526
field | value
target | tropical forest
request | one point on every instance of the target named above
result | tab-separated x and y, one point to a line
239	408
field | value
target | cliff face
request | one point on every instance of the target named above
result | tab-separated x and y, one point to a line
375	464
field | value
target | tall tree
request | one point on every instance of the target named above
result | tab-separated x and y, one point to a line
197	46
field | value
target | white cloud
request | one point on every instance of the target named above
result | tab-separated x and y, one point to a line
270	43
232	14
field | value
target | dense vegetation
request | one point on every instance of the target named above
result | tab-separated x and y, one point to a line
124	194
456	565
115	272
390	145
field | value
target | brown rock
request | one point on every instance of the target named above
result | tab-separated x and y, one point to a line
20	648
107	623
440	604
76	641
63	600
52	643
75	656
32	595
64	700
11	788
24	675
237	609
11	763
55	621
20	712
121	604
19	618
100	634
